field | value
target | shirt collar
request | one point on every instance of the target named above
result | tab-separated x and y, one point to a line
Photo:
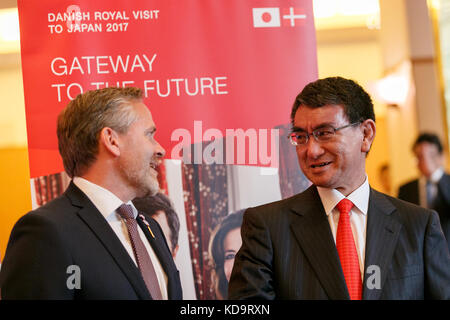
437	175
360	197
104	200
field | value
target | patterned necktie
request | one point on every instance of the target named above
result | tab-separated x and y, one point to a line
140	252
347	251
431	194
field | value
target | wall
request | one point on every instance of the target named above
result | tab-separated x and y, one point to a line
356	54
15	194
406	37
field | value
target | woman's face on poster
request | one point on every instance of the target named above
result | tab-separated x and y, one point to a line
231	245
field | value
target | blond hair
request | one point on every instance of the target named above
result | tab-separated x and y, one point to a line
80	123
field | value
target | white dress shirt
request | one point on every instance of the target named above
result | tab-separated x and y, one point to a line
107	203
358	215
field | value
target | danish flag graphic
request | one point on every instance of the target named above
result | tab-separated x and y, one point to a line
293	17
266	17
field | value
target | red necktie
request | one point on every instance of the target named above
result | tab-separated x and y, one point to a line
140	252
347	251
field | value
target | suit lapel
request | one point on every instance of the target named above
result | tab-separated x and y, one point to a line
100	227
382	234
162	251
157	243
312	231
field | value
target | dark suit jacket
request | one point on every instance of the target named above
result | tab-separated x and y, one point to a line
288	252
410	192
71	231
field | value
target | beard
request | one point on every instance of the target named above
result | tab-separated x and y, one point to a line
141	178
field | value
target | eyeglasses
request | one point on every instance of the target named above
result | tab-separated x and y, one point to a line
321	134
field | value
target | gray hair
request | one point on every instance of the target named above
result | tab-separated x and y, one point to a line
80	123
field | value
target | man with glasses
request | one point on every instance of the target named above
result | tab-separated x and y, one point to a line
432	188
339	239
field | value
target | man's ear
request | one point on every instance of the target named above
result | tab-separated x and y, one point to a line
369	130
109	139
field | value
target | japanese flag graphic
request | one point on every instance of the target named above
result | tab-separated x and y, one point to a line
266	17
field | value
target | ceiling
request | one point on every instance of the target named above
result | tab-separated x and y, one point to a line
8	4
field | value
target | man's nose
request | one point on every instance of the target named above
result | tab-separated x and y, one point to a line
159	151
313	148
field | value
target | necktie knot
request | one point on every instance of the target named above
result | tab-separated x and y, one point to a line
344	206
126	211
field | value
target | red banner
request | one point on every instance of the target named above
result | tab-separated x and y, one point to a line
209	69
219	77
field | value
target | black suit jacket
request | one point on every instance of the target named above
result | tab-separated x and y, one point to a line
410	192
71	231
288	252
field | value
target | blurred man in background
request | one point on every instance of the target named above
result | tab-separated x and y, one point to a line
432	189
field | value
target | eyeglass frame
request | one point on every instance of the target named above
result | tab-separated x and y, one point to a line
313	133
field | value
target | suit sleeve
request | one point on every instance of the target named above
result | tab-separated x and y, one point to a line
252	276
437	261
35	262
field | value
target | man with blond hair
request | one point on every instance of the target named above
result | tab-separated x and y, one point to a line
91	242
